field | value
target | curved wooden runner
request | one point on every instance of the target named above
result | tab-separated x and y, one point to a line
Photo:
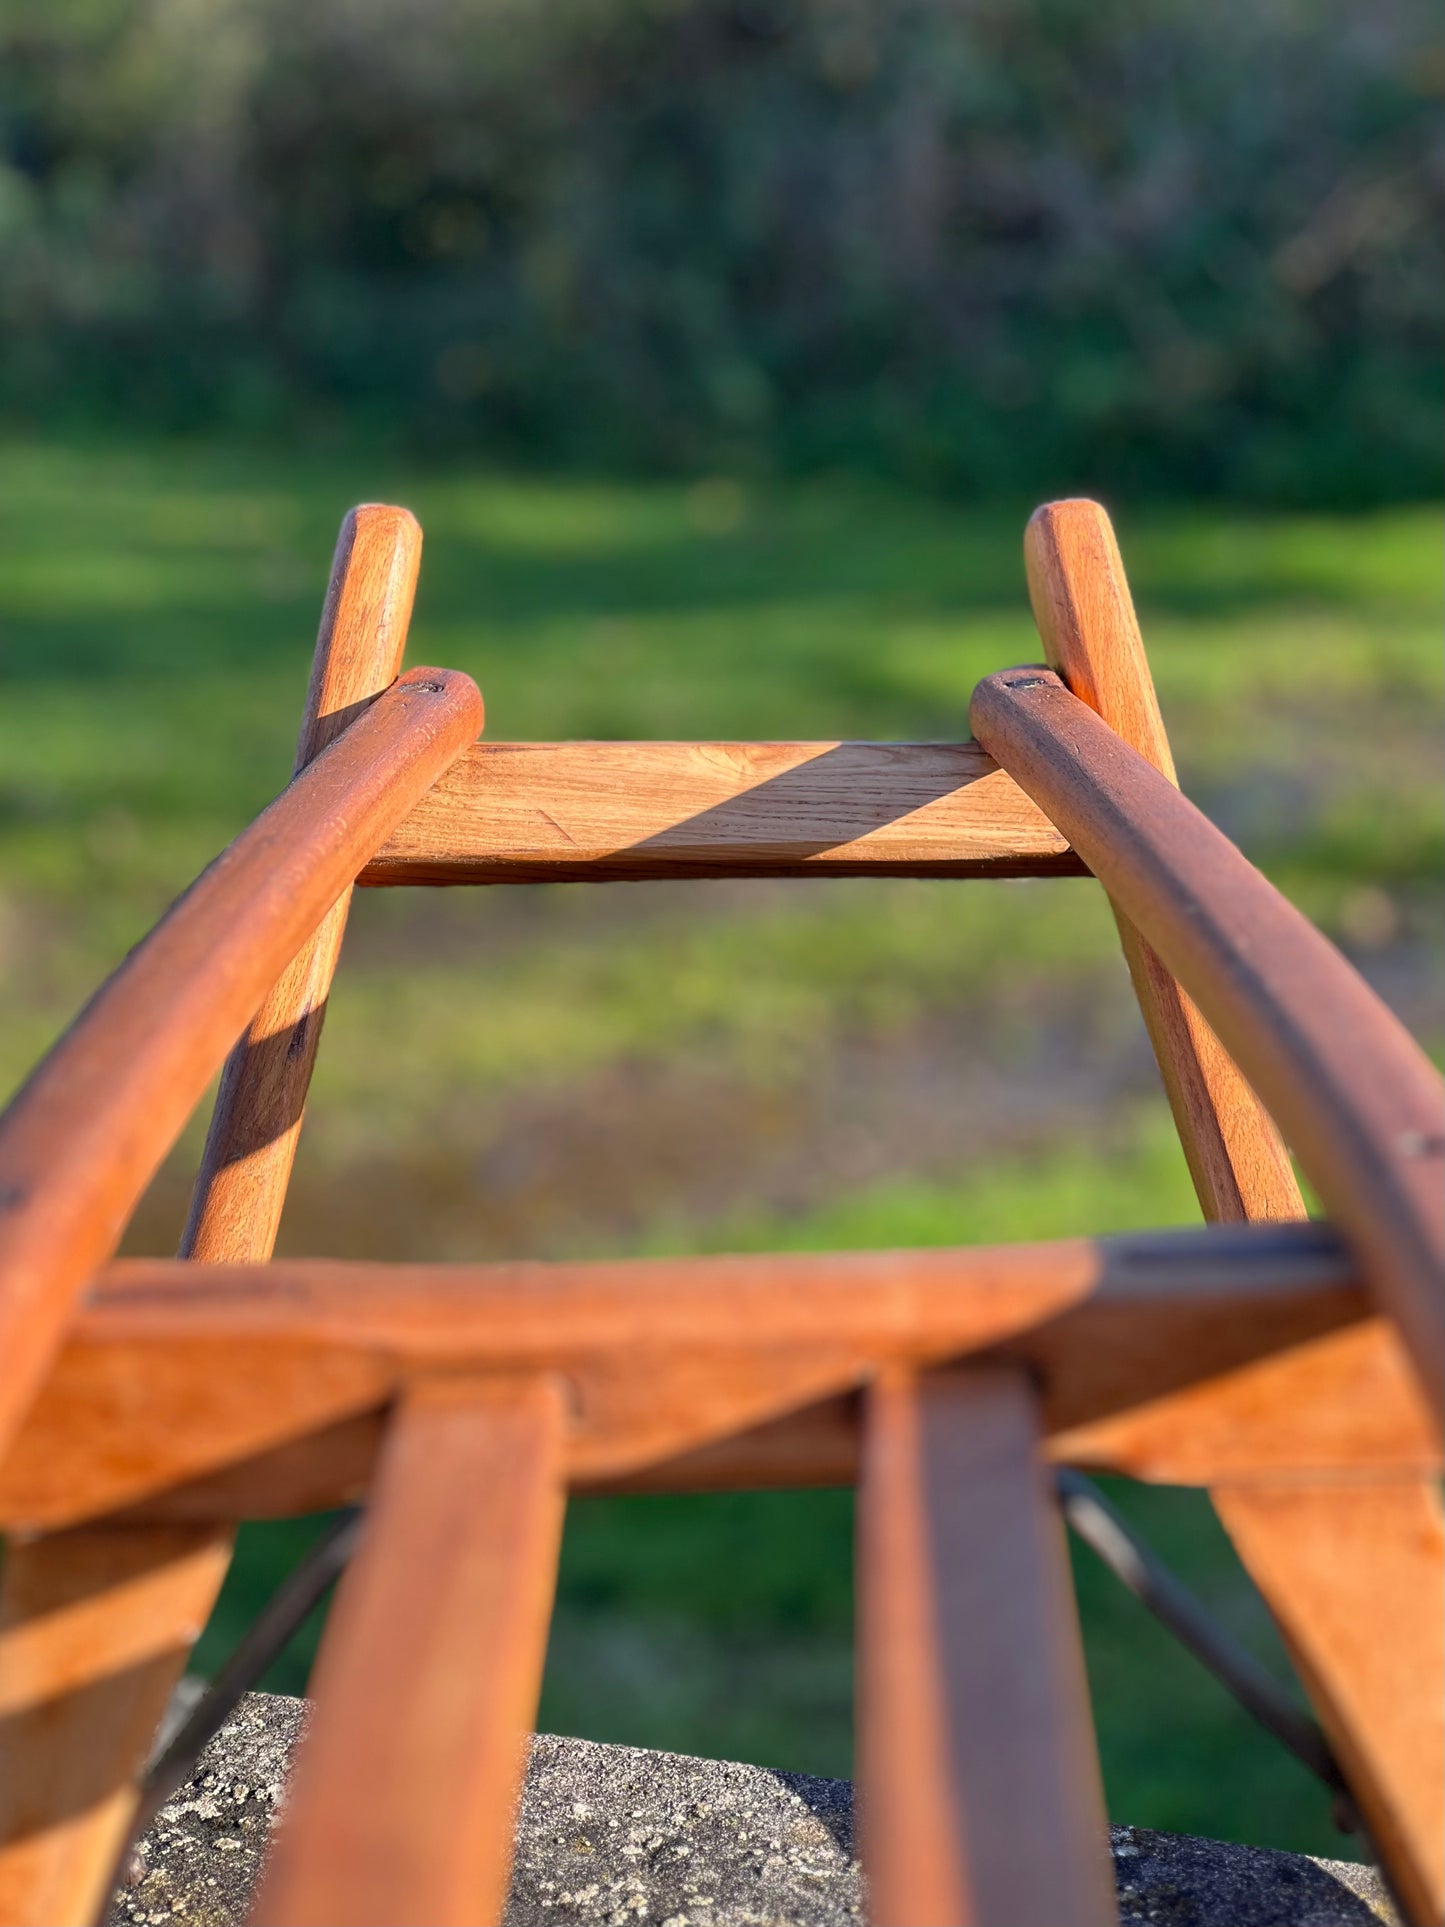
1356	1097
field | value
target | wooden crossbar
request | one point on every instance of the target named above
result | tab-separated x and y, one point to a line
634	812
150	1405
667	1357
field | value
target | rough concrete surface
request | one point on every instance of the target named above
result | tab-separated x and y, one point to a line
614	1836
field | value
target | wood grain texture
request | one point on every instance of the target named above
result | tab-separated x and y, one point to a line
1344	1406
1355	1577
1240	1171
1090	633
245	1168
979	1794
612	812
234	1215
1357	1100
1337	1410
176	1372
87	1131
427	1680
66	1858
95	1627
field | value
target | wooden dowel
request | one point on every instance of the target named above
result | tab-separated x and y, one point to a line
427	1680
979	1792
613	812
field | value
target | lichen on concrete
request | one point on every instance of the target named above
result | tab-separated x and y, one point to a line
616	1836
199	1861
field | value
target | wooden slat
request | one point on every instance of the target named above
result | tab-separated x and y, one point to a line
979	1790
86	1133
427	1680
609	812
1355	1576
1091	637
1357	1100
178	1371
95	1627
236	1206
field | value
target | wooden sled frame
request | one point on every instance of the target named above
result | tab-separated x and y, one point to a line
147	1406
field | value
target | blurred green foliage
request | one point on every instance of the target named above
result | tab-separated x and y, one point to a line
1044	246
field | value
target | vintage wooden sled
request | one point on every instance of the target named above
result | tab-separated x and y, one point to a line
1293	1369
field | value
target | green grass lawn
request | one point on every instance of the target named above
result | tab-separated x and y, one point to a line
682	1067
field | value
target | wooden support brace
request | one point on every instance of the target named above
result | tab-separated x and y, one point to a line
427	1680
95	1626
1355	1576
241	1187
979	1785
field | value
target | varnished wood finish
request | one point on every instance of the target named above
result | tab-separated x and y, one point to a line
979	1793
1385	1715
1345	1405
1091	637
234	1215
427	1680
1357	1100
175	1372
610	812
1355	1576
246	1166
95	1627
1335	1408
181	1397
1340	1407
57	1853
83	1138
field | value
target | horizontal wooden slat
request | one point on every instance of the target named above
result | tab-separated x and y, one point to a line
1344	1406
612	812
1339	1407
1358	1101
175	1372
